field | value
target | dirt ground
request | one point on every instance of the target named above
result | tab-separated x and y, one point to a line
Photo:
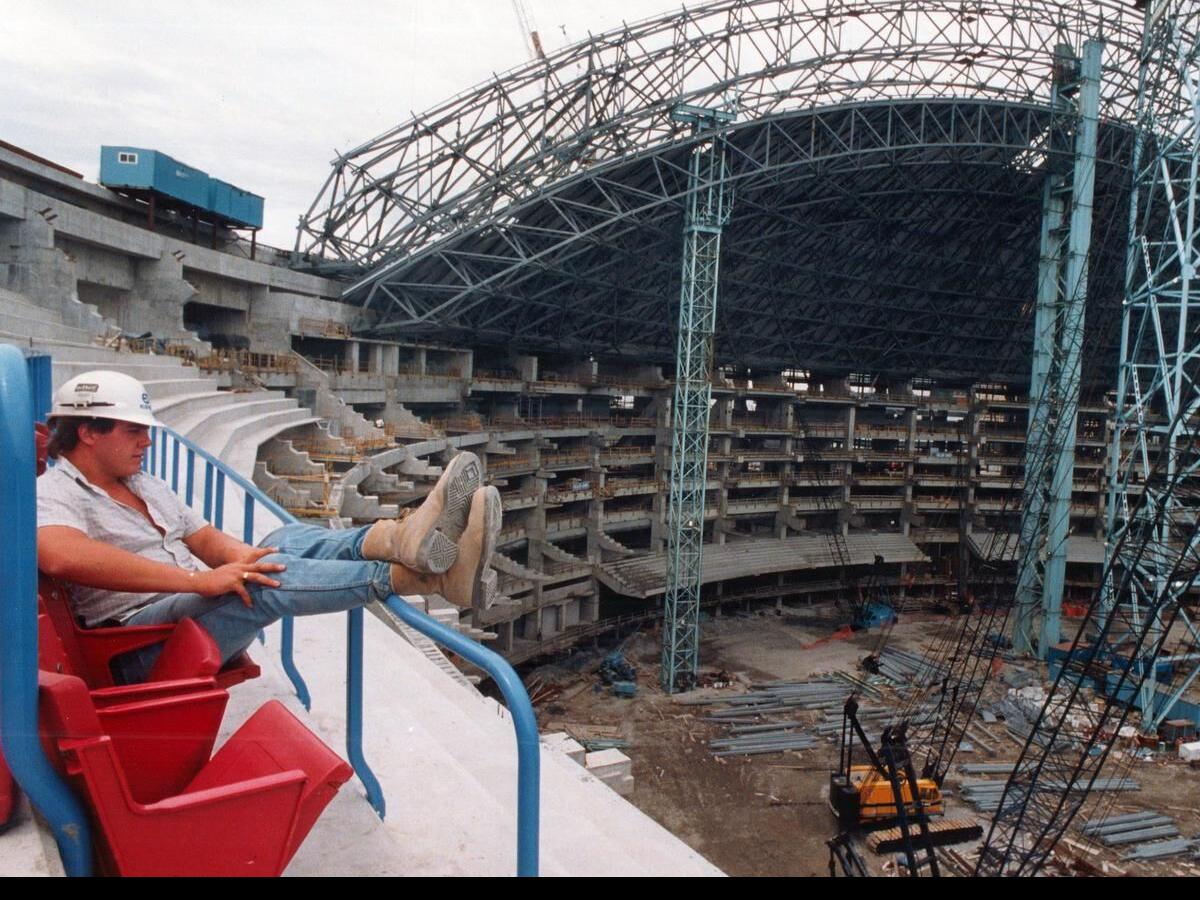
768	815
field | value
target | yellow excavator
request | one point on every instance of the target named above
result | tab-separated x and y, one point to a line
864	796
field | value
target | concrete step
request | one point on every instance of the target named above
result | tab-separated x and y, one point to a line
167	388
202	422
100	356
19	327
241	448
14	298
17	305
180	407
133	365
82	316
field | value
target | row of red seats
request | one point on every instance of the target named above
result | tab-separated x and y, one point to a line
140	756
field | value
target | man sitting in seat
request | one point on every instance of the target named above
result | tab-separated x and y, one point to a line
135	554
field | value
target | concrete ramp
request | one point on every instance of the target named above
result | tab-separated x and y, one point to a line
646	576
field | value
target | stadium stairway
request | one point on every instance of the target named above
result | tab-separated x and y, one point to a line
446	758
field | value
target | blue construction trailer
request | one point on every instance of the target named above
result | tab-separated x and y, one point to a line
154	174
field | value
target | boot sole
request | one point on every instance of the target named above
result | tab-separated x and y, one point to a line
484	591
439	549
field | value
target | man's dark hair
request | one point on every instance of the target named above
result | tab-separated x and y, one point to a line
64	432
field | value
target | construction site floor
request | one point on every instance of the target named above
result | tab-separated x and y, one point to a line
768	814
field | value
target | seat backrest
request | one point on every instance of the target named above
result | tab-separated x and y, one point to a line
54	604
52	656
66	711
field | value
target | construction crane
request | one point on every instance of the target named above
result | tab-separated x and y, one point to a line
529	32
705	216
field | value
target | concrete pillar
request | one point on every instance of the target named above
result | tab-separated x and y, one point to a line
589	606
391	359
157	299
504	636
30	264
350	356
375	359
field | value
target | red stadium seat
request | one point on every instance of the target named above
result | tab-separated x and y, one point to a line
244	812
188	652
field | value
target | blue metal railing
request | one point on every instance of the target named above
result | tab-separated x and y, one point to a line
18	623
164	460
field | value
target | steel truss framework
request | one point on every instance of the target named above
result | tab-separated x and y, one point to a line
887	162
1158	386
1152	560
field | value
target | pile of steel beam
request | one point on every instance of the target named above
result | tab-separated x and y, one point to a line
985	794
1163	849
777	697
749	735
1131	828
904	667
761	742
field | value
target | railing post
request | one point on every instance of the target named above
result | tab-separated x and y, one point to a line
190	486
18	625
219	506
354	711
208	490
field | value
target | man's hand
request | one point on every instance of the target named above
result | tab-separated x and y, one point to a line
232	578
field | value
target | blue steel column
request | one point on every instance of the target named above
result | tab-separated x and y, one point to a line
1075	289
1037	440
704	217
1054	388
1153	470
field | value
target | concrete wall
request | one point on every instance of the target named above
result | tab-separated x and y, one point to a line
52	243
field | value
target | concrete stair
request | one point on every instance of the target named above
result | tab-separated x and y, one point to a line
446	760
79	322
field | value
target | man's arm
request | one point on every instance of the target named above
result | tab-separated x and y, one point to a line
71	555
216	548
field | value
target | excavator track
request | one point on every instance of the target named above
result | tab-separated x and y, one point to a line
941	834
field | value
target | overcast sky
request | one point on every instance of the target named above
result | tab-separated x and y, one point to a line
258	94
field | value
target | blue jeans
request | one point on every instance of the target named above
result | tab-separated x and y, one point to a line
325	573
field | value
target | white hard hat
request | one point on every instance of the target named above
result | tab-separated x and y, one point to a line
104	395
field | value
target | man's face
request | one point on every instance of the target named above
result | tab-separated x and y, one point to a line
120	451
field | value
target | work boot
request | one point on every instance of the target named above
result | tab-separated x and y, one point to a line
469	583
425	539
